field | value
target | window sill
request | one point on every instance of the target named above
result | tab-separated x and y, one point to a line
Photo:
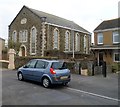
116	42
117	61
100	44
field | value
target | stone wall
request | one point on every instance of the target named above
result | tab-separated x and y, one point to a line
34	20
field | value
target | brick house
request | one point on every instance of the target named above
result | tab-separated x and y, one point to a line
107	41
2	46
40	34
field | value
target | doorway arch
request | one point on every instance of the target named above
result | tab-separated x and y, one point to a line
22	50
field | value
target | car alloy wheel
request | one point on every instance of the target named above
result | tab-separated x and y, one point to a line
20	76
46	82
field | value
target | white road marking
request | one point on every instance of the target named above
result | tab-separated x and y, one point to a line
93	94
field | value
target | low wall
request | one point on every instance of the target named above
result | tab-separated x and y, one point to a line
74	66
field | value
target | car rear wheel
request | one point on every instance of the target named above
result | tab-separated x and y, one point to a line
20	76
46	82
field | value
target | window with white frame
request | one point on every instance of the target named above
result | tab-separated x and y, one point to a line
77	42
33	41
25	33
116	57
116	37
20	36
67	41
23	36
100	38
56	39
14	36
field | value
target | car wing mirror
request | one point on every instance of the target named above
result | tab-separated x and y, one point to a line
25	66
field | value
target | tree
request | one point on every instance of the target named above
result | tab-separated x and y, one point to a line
14	45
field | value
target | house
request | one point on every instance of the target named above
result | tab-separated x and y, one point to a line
107	41
2	46
40	34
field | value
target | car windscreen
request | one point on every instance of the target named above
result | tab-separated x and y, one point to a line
59	65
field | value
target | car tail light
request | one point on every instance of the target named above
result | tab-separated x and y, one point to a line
52	71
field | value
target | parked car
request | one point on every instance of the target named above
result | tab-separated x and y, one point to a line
47	72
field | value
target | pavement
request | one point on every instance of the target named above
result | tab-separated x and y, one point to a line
97	84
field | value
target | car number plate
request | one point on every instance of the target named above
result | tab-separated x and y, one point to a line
64	77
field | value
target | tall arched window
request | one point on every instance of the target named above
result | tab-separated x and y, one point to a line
77	42
33	41
14	36
56	39
67	41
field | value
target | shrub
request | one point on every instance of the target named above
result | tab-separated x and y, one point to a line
116	67
70	66
84	65
3	65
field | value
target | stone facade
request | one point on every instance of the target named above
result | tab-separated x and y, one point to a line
2	46
36	34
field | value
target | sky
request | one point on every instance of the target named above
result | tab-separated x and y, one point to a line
86	13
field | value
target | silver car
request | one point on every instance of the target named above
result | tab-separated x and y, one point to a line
47	72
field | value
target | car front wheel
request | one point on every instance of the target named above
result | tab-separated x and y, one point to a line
20	76
46	82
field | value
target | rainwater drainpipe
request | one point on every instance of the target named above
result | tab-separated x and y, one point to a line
72	33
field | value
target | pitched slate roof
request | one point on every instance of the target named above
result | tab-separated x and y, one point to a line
58	20
108	24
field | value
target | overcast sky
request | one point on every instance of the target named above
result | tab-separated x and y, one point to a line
86	13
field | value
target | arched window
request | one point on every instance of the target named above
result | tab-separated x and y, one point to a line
33	41
14	36
67	41
56	39
77	42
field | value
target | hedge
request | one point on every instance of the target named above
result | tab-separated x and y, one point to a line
72	65
116	67
20	61
3	65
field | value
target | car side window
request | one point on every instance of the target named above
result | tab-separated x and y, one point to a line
31	64
41	64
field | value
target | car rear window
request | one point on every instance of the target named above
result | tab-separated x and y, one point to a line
41	64
59	65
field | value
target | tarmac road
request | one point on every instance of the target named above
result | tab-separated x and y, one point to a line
82	90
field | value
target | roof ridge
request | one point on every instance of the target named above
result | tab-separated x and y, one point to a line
111	19
108	24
